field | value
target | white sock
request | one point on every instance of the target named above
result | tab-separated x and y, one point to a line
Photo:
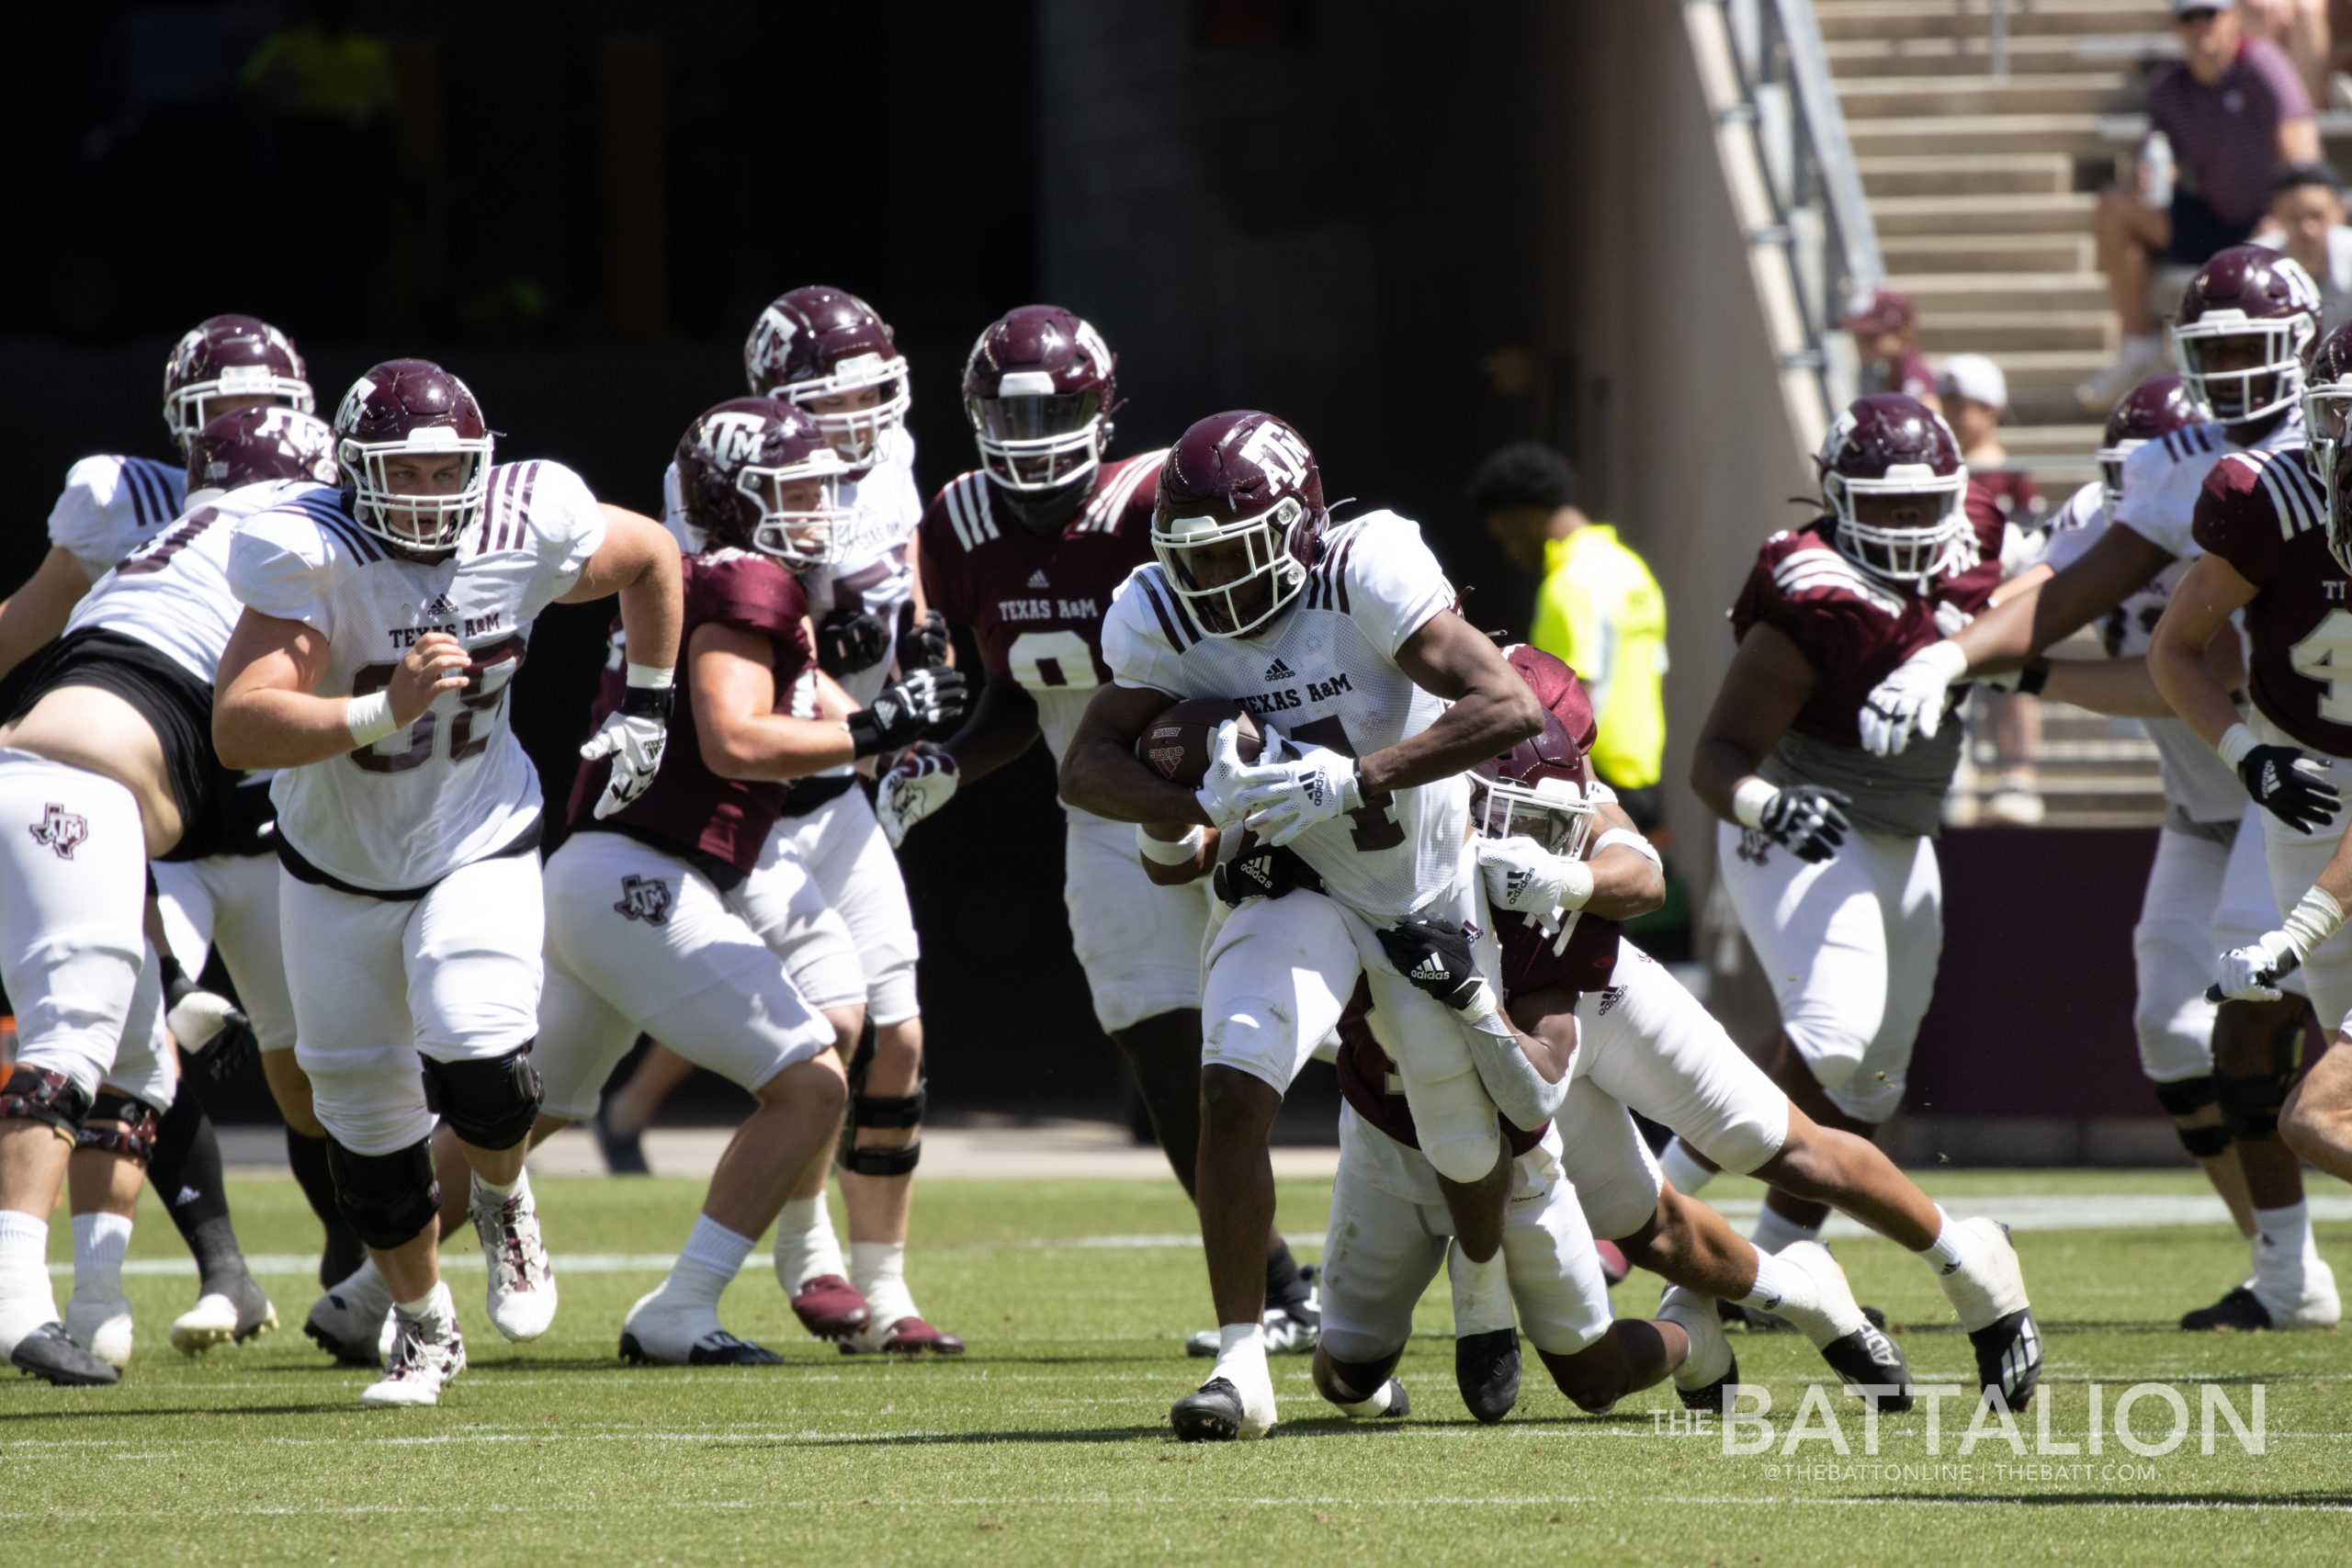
419	1307
1482	1301
1241	1356
1681	1168
100	1240
1774	1231
26	1300
879	1269
2282	1242
806	1245
708	1264
1949	1251
1376	1405
495	1193
1782	1287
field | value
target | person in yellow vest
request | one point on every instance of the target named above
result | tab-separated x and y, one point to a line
1597	609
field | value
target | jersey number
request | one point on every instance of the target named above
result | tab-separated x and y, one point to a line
1052	661
491	672
1375	827
158	555
2325	656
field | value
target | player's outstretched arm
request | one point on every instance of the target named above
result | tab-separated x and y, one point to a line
1003	725
2208	596
2026	620
1763	691
31	617
1102	773
1493	708
1620	878
264	712
638	561
730	679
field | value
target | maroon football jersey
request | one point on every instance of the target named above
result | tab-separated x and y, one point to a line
1368	1081
2264	513
1036	604
688	808
1852	628
2002	495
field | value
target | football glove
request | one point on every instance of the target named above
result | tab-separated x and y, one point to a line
922	780
1313	784
633	736
1248	867
1912	697
1435	956
1522	875
1228	776
1807	820
851	640
2290	785
923	644
213	1031
902	711
2251	973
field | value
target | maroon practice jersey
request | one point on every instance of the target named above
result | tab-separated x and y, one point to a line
1035	603
2264	513
1852	627
688	807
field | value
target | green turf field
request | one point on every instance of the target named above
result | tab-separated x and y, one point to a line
1049	1441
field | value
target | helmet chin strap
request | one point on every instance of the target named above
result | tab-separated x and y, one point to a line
1045	511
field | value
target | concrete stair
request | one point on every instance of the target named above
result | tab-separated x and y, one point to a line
1884	20
1965	173
2099	91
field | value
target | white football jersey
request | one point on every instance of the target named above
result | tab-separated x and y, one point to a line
456	786
112	506
2163	479
1324	672
2197	782
173	592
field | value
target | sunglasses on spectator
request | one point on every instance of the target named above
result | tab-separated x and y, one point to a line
2194	18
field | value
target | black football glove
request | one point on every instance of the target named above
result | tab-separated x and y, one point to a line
923	644
1808	820
212	1030
1248	867
1435	956
2289	787
851	640
901	711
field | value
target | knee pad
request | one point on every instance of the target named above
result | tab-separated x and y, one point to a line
387	1198
491	1104
1456	1121
2205	1143
2250	1104
1334	1377
879	1111
120	1124
2185	1096
37	1094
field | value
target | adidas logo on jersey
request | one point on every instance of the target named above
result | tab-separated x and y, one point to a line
1037	579
1278	671
1610	996
442	605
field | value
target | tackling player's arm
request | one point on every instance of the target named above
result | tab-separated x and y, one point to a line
1546	1022
1493	709
1196	847
1003	725
638	561
264	714
1762	693
32	617
2200	609
730	679
1628	878
1102	773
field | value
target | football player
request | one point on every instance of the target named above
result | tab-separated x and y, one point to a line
1344	633
1026	551
108	763
2247	331
408	815
2268	523
110	506
1826	852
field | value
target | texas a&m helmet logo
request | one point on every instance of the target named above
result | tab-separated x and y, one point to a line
61	829
645	898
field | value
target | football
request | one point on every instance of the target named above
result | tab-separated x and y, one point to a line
1176	744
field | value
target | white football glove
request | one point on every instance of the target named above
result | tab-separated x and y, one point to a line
1312	784
1912	697
1228	775
2251	974
634	742
921	782
1522	875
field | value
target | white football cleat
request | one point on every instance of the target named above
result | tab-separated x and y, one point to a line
1702	1378
1288	1332
427	1352
1871	1364
1989	1292
2314	1305
666	1333
348	1322
217	1319
101	1326
521	1295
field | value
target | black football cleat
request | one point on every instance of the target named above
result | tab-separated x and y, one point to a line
2241	1310
1486	1368
624	1152
1210	1414
719	1349
2008	1356
1873	1367
50	1354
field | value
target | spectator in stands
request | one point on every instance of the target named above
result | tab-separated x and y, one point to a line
1976	400
2307	222
2300	28
1887	339
2232	110
1598	608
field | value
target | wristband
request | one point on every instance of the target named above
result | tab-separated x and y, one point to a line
2236	742
2313	920
2034	677
1752	799
369	719
1167	851
648	692
1945	658
1576	884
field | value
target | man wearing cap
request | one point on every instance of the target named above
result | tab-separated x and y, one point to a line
2307	222
2232	109
1886	340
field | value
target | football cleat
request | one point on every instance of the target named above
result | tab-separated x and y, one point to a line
50	1354
521	1296
219	1318
348	1322
1400	1405
1871	1365
659	1332
101	1326
1290	1331
624	1152
2241	1310
1991	1301
831	1307
427	1352
2253	1309
1703	1380
1486	1368
909	1336
1218	1412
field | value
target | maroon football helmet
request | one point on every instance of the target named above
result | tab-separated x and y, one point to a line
816	344
2248	291
1889	445
1537	788
735	463
2149	411
411	408
1039	392
230	356
252	446
1239	512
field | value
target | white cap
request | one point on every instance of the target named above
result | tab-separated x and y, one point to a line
1976	377
2182	8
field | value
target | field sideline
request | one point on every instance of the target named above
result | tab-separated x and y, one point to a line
1050	1437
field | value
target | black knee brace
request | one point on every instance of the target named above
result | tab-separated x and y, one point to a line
872	1110
2205	1143
36	1094
2186	1097
120	1124
2251	1101
491	1104
387	1198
